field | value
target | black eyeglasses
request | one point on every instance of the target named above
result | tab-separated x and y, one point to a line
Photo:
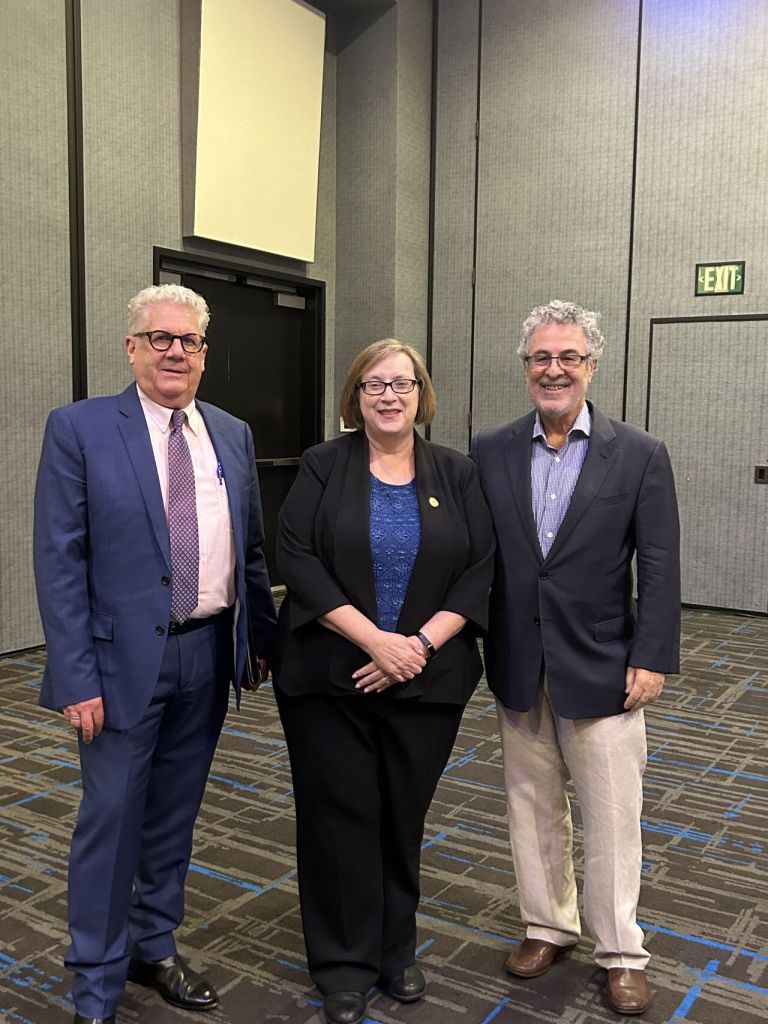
401	386
161	341
566	360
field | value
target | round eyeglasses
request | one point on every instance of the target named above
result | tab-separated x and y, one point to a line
161	341
401	386
566	360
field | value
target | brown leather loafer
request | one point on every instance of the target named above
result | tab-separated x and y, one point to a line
534	957
627	990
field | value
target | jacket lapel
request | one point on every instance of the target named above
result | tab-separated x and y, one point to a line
133	427
518	454
600	454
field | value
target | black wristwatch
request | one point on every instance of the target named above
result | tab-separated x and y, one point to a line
431	652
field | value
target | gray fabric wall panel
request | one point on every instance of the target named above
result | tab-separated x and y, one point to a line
324	266
414	94
131	165
723	513
555	166
382	219
455	149
35	332
702	154
366	211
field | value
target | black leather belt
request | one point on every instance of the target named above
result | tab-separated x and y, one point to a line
192	624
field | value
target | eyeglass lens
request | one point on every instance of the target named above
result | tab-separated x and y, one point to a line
162	341
402	386
568	360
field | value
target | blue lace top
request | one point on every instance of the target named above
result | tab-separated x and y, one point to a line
395	538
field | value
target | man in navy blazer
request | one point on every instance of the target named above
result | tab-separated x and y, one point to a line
145	689
571	656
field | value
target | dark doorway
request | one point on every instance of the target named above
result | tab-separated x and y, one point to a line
264	365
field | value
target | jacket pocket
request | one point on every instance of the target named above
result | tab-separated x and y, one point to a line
614	629
101	625
606	500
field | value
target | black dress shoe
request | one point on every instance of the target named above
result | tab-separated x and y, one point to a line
344	1007
406	986
176	982
79	1019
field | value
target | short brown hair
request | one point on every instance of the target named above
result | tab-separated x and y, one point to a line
349	405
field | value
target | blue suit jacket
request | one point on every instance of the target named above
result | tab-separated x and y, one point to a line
102	553
575	608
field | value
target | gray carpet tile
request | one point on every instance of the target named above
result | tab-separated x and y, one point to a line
704	903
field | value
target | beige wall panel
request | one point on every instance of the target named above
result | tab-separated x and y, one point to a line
35	332
701	180
555	166
258	124
132	177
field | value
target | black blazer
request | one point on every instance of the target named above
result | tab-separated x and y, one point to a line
575	609
324	556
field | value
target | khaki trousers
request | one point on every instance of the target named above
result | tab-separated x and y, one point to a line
605	758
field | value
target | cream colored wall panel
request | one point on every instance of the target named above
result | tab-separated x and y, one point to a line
35	333
258	125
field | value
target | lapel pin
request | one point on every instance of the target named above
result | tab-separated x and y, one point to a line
434	502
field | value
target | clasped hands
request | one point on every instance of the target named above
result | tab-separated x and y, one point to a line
395	659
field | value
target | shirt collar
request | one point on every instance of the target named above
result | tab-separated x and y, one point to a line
161	415
582	423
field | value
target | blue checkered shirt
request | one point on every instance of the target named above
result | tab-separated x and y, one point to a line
554	474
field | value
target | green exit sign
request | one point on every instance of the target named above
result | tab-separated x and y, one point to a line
720	278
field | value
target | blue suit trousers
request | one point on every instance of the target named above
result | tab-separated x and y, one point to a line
132	843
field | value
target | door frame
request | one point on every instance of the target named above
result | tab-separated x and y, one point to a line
715	318
174	261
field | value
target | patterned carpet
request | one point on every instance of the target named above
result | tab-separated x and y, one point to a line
704	902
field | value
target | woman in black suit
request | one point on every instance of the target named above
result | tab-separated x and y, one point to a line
386	547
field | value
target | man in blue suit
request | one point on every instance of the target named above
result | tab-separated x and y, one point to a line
148	563
574	497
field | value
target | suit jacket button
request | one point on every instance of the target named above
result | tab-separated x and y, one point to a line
543	575
165	580
536	620
160	630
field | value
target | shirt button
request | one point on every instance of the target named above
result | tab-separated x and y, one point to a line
557	458
160	630
165	580
553	496
549	533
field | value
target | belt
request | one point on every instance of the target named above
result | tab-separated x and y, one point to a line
189	625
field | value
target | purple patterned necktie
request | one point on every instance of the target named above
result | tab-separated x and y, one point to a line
182	522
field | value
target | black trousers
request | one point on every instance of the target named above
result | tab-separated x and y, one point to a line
365	768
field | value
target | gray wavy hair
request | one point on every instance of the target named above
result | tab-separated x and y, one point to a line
155	293
559	312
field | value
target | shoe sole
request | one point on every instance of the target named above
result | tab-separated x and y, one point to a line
623	1011
406	999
